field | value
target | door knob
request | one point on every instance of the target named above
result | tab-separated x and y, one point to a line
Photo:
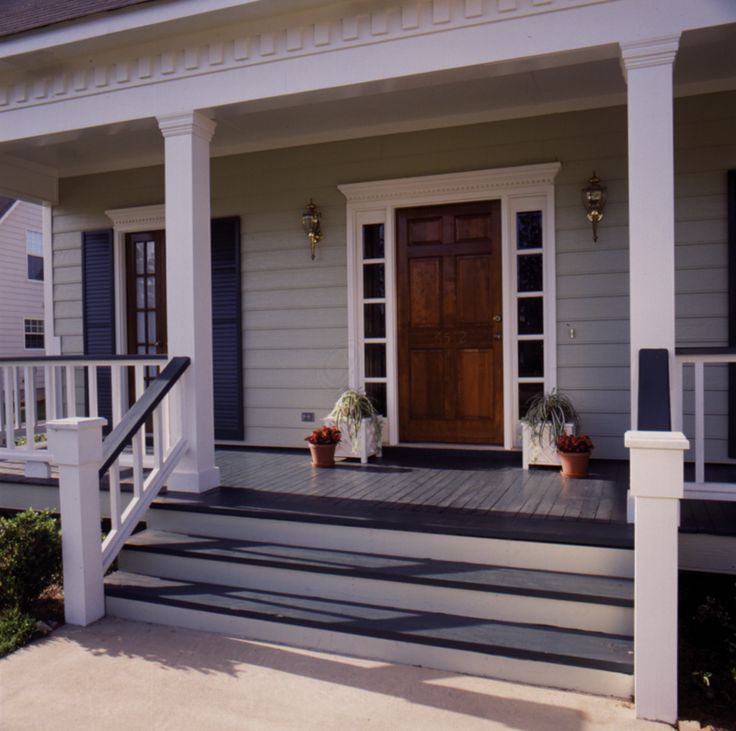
497	318
498	336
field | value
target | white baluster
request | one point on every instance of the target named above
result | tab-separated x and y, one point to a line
30	396
158	436
94	409
71	392
115	507
2	405
49	392
116	379
166	424
699	422
139	436
9	421
16	397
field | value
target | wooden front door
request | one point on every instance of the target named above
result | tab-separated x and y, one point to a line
145	265
449	324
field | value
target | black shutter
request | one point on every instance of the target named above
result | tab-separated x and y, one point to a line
98	308
227	330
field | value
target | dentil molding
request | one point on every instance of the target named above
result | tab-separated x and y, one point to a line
387	21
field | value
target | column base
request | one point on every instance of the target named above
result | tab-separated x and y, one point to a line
194	481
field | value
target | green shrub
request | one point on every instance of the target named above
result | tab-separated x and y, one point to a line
16	629
30	557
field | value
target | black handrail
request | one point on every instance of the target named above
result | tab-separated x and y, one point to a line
725	350
82	359
136	416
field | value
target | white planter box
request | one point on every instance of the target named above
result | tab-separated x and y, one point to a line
541	451
367	444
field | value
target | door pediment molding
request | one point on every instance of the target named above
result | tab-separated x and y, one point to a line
473	185
128	220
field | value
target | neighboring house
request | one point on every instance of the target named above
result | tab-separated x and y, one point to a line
21	279
446	144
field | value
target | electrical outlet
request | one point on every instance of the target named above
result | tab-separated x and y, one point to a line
307	415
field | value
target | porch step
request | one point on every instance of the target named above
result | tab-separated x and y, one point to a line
592	603
586	661
550	549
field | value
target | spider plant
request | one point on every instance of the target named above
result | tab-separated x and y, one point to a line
553	409
349	411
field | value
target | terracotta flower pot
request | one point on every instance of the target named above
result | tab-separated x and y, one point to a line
575	464
323	455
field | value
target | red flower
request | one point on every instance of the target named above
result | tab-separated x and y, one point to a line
570	443
325	435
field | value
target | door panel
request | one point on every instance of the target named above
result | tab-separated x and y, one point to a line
449	323
425	286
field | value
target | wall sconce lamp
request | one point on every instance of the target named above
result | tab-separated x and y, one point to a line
594	201
311	223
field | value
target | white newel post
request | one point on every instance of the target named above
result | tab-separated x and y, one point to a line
647	67
189	291
657	486
76	446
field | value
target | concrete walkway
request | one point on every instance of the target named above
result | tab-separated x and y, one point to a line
126	675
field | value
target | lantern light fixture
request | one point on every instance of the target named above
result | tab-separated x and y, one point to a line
311	222
594	201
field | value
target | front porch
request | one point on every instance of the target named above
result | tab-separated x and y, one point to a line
460	492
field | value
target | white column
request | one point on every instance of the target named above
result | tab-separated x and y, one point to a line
657	487
76	446
189	291
647	67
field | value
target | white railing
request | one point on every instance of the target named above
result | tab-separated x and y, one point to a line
36	390
697	360
84	460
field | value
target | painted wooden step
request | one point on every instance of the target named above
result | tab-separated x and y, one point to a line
594	603
302	531
591	662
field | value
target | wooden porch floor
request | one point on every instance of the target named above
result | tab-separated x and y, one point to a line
461	492
468	493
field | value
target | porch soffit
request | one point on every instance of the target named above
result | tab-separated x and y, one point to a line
231	65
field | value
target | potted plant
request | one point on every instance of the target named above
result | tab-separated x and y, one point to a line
548	416
322	445
574	454
355	414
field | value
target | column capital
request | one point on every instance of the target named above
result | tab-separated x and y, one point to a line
649	52
187	123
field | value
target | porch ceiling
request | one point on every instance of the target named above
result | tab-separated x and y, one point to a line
585	79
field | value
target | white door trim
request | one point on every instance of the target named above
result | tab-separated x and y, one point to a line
516	188
124	221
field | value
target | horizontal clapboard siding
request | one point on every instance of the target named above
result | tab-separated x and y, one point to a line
295	310
20	297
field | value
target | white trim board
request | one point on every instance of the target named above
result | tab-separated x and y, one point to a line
517	188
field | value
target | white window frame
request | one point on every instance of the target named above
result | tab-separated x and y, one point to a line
527	187
43	325
125	221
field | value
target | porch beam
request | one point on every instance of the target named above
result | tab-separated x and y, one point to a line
647	67
189	291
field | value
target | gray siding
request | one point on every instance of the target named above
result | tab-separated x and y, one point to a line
19	297
295	310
